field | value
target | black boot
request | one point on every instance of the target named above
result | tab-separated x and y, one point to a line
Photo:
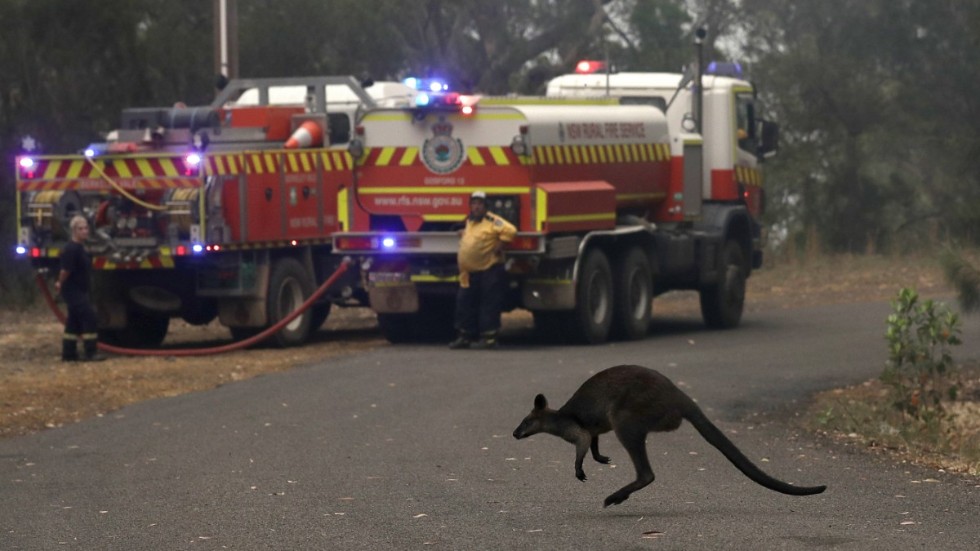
488	341
69	350
92	351
462	341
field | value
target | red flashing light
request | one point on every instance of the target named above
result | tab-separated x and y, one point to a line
356	243
586	67
181	250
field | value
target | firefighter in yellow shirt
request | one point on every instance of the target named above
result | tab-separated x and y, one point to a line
482	277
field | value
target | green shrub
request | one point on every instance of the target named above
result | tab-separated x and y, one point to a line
920	363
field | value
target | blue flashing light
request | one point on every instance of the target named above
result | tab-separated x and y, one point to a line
95	149
388	242
725	69
193	159
430	84
26	163
197	248
422	100
20	250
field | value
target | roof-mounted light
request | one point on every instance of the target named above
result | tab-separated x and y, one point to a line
725	69
587	67
427	84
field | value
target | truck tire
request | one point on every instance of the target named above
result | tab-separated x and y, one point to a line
632	295
722	303
289	286
200	312
143	330
551	326
591	320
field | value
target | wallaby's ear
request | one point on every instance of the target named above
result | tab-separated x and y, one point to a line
540	402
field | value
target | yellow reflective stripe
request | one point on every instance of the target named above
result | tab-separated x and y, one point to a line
168	167
443	217
385	156
343	214
582	217
409	156
304	160
541	213
473	155
75	168
499	156
433	279
52	170
144	168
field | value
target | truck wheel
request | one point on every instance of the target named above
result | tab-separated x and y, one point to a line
289	287
143	330
592	317
722	302
633	295
201	312
551	326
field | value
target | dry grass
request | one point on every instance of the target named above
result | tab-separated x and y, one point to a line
864	415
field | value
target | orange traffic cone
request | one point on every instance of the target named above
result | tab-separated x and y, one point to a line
309	134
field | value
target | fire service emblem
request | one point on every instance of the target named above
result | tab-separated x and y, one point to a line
442	153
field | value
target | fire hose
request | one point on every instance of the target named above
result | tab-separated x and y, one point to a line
237	345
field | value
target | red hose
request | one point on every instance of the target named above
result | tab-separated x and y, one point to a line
266	333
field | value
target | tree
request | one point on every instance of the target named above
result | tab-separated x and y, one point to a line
861	88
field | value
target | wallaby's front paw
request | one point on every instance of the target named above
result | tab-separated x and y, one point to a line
602	459
580	474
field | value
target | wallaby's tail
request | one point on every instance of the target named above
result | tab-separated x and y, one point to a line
716	438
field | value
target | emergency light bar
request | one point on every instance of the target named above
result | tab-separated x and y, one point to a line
28	166
725	69
587	67
427	84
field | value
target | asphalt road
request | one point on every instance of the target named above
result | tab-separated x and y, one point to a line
409	447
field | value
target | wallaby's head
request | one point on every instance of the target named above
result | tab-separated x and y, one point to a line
536	421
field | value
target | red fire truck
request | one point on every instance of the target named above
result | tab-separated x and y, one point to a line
218	211
622	186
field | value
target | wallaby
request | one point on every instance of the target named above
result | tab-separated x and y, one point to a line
633	401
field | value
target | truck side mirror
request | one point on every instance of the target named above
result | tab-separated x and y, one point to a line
769	139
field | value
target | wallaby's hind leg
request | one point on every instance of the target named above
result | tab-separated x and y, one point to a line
636	444
595	451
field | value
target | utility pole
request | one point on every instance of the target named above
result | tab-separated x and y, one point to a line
226	39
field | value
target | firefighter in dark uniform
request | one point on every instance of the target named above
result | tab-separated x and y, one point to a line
73	284
482	277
